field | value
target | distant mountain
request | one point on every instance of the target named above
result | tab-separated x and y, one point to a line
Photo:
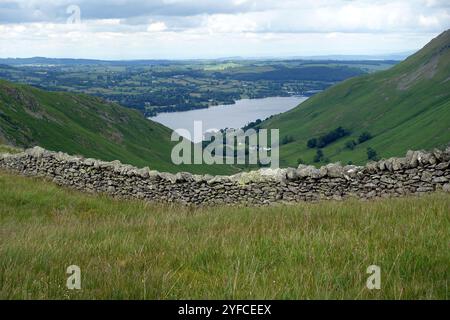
389	57
399	56
42	61
85	125
76	62
405	107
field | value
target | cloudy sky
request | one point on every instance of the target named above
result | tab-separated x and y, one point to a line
168	29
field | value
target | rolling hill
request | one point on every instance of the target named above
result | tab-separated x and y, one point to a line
85	125
405	107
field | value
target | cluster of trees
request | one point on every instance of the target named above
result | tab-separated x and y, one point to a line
335	135
170	99
328	138
365	136
252	124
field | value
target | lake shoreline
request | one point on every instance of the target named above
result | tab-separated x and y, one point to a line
231	104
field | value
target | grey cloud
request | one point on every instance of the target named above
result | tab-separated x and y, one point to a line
264	16
19	12
12	11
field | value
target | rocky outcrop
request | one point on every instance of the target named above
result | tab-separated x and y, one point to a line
419	172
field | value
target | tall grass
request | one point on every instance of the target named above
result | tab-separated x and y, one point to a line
134	250
9	149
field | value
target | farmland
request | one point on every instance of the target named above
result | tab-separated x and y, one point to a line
167	86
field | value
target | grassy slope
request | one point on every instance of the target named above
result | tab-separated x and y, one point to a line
401	114
131	249
80	124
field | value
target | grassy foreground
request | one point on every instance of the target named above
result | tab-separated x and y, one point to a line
133	250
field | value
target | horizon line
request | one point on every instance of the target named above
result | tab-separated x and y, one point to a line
380	56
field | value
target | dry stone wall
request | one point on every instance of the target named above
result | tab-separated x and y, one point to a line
419	172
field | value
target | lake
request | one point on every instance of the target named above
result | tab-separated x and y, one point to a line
228	116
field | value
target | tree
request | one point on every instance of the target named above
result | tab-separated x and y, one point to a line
312	143
287	139
365	136
300	161
372	154
319	156
350	144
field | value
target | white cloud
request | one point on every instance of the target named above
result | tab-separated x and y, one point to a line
226	23
157	27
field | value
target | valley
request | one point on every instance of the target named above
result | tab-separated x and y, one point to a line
205	153
357	111
172	86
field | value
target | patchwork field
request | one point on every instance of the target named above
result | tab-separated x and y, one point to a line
136	250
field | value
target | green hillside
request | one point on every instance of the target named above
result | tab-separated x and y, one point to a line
80	124
137	250
405	107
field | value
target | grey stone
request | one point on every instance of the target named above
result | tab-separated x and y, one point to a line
36	152
144	172
291	174
398	164
310	172
426	176
426	158
4	156
425	189
442	166
89	162
440	180
438	154
412	158
372	194
334	170
387	180
167	177
183	177
382	165
372	167
388	164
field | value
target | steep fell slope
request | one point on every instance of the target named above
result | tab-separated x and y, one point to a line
80	124
405	107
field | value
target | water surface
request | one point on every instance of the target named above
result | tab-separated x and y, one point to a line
228	116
